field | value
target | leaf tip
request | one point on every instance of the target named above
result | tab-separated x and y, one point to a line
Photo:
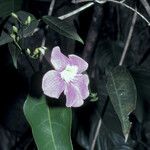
126	137
81	41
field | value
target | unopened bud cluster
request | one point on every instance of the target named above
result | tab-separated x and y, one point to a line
37	52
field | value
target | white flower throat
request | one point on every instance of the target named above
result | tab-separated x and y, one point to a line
69	73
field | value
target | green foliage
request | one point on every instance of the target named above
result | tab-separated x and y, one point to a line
14	51
62	27
5	38
23	30
123	95
51	127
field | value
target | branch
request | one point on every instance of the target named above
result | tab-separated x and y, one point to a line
80	1
76	11
125	5
146	5
128	39
72	13
51	7
96	134
99	124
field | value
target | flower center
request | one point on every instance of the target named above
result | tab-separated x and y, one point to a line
69	73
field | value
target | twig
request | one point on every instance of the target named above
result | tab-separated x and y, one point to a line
128	39
127	6
99	124
96	134
51	7
144	2
146	5
76	11
80	1
71	14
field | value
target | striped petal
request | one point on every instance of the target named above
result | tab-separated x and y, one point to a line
73	97
58	60
52	84
79	62
82	82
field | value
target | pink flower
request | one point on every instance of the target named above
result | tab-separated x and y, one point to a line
67	77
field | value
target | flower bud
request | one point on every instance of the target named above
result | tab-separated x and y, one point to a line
28	51
13	36
42	50
14	15
28	21
15	29
17	38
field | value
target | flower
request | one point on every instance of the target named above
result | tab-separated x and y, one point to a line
67	77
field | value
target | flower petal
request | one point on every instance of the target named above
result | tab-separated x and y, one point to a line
78	103
79	62
52	84
82	82
73	97
58	60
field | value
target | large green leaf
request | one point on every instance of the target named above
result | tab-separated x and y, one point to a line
62	27
8	6
123	95
51	127
24	32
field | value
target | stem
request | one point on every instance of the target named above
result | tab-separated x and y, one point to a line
96	134
99	124
80	1
51	7
76	11
128	39
127	6
146	5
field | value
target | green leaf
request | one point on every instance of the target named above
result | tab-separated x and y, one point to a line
24	32
8	6
123	95
5	38
51	127
14	53
62	27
